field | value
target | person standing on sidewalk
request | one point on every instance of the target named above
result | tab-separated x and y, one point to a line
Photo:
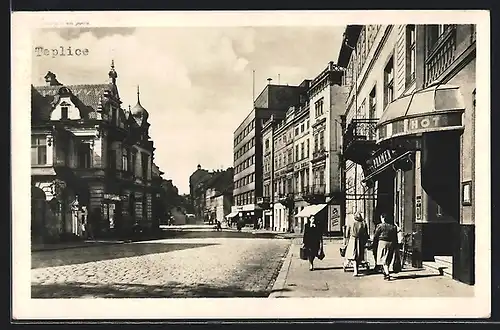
385	239
312	241
356	236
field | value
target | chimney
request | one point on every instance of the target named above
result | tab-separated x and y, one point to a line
50	79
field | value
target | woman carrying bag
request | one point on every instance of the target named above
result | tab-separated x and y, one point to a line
357	237
312	242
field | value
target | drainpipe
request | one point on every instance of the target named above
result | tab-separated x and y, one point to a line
343	182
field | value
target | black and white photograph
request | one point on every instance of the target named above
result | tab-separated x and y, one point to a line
237	157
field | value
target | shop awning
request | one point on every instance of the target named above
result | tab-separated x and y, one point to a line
310	210
231	215
435	108
385	167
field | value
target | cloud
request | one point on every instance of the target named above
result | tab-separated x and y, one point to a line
196	83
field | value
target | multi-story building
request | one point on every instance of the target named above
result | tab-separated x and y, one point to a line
302	155
91	161
409	140
267	200
197	189
283	201
325	193
274	99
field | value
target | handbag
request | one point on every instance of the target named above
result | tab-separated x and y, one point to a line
321	254
342	251
303	253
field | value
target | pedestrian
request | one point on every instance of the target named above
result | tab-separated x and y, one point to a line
312	241
356	239
385	239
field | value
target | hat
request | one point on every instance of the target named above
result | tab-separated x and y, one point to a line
358	217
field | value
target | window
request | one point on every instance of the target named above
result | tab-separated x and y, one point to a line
434	33
125	160
307	124
307	154
302	150
133	157
38	150
267	144
297	130
410	54
112	159
372	103
316	143
297	152
389	82
318	107
145	165
64	113
84	155
322	140
302	128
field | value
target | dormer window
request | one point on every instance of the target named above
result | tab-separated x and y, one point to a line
64	113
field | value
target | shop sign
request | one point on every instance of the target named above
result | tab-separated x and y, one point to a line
418	208
334	217
379	159
114	197
427	123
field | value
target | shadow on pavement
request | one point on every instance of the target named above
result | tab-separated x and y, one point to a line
215	234
413	276
128	290
42	259
328	268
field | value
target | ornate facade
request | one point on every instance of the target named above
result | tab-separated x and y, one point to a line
91	161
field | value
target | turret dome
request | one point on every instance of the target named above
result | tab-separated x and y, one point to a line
138	112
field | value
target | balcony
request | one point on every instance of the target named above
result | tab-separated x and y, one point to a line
264	202
359	139
299	195
286	199
318	155
441	56
316	194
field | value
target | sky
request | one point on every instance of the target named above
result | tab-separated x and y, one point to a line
196	83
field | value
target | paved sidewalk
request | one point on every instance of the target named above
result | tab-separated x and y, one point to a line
330	280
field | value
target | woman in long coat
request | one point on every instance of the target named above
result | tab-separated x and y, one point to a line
385	239
312	240
356	236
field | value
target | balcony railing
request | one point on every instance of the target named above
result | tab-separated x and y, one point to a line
440	56
359	137
315	194
318	155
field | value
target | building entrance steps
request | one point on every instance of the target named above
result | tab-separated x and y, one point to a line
329	279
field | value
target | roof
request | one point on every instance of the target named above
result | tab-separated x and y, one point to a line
87	98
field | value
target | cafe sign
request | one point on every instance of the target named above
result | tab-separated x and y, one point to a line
431	122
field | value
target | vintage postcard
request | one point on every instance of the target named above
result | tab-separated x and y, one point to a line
198	165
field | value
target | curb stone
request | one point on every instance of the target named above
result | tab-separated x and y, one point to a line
279	283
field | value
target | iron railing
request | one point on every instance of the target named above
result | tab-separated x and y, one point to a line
360	130
441	56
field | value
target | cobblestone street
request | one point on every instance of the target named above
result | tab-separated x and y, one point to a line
186	267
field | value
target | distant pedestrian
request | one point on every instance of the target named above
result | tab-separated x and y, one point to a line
385	239
356	239
312	241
